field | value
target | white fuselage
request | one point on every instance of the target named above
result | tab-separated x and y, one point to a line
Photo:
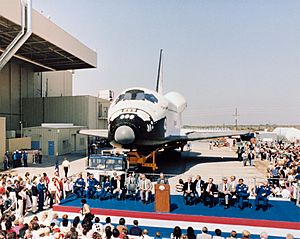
139	115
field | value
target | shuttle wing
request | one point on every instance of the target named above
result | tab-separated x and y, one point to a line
191	136
102	133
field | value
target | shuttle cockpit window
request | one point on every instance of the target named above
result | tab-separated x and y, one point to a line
121	97
151	98
137	95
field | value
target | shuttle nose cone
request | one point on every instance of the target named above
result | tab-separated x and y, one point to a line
124	135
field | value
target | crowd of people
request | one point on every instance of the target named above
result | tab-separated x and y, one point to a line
89	226
19	158
228	192
284	164
117	186
34	193
20	196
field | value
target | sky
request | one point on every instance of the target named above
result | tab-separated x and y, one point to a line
220	55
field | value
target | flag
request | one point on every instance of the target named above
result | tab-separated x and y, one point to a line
58	186
56	169
57	183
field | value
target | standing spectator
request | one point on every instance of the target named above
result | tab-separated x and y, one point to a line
135	230
41	193
251	157
97	226
52	190
210	145
65	224
233	235
190	233
239	153
77	225
157	235
204	234
34	192
245	234
162	179
55	219
121	225
115	233
34	157
22	200
177	233
19	158
218	235
263	235
6	161
108	223
25	158
245	158
289	236
14	159
66	166
40	156
85	209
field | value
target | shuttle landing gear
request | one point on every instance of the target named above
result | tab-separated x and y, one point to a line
136	158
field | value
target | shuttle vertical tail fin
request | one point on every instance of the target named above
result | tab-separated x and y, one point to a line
159	82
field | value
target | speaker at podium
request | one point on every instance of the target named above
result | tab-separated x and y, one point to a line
162	197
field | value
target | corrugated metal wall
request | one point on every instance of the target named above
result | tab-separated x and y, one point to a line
16	83
65	140
79	110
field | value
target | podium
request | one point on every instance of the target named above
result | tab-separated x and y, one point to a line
162	197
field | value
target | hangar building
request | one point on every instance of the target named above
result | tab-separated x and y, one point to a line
36	57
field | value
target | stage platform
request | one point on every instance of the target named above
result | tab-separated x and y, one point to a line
281	218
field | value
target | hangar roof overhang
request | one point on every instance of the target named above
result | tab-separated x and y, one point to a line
49	47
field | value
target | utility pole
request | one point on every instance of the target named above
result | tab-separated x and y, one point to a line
236	115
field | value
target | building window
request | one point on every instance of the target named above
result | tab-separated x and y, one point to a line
105	109
99	110
81	141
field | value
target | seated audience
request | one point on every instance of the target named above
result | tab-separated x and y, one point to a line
262	192
209	189
199	184
242	193
224	192
145	187
189	192
131	185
